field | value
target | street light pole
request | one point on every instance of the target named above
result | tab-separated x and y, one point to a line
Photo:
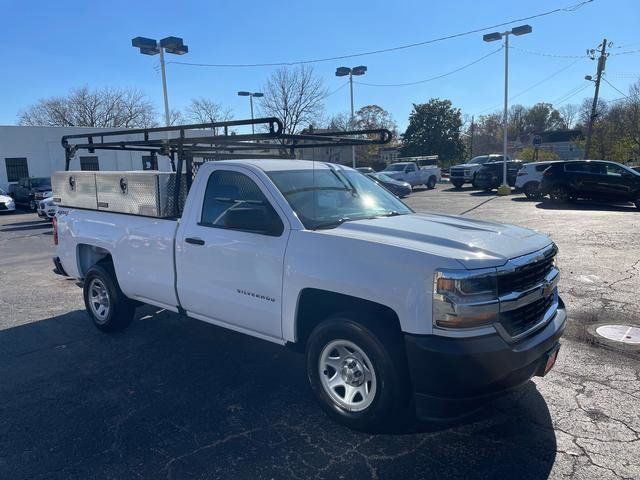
343	72
167	119
149	46
353	147
505	123
504	189
251	95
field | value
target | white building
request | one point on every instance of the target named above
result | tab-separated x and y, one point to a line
37	152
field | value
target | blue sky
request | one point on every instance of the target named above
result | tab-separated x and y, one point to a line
50	47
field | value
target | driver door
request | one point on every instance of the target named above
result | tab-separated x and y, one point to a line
230	254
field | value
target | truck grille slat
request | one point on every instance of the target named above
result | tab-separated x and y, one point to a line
524	277
520	320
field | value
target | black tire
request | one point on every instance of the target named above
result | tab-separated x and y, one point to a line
431	183
383	348
120	309
457	184
33	206
637	203
560	194
532	190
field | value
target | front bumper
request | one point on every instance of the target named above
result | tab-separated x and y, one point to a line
454	375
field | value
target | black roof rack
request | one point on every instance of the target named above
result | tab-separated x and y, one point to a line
216	141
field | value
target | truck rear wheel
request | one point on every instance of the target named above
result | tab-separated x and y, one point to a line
109	309
358	373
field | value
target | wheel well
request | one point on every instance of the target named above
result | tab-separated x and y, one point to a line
316	305
89	255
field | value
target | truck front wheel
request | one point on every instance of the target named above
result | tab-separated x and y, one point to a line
358	373
431	184
457	183
109	309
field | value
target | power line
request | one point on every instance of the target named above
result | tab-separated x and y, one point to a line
544	54
531	87
570	94
628	52
614	87
431	78
569	8
336	90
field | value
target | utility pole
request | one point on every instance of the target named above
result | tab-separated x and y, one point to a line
601	61
473	127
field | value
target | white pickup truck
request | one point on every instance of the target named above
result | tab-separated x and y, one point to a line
413	174
396	311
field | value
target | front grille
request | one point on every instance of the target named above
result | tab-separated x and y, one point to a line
522	319
526	276
457	172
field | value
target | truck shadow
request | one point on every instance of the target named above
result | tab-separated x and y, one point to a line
173	397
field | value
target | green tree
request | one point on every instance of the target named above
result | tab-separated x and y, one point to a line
527	154
434	128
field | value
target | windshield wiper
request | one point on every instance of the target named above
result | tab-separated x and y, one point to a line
391	213
332	223
346	182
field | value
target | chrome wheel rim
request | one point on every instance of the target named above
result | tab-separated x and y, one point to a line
99	301
347	375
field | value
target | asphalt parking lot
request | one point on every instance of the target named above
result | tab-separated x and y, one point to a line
176	398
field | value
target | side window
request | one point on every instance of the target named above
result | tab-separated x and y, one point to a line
597	168
575	167
614	170
541	168
89	163
233	201
17	168
411	168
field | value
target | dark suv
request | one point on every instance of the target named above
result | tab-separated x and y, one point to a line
30	190
490	175
591	179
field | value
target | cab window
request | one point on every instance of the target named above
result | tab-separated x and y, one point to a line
233	201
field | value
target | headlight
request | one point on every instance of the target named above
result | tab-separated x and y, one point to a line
464	299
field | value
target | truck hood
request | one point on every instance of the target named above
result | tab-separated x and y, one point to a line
394	175
474	243
465	165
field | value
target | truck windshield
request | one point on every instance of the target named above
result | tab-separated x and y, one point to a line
481	159
40	182
327	197
396	167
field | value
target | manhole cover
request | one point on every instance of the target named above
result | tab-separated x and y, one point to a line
620	333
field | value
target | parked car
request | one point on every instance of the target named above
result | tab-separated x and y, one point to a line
47	208
412	174
365	170
30	190
529	178
6	202
466	172
395	311
491	174
398	188
591	179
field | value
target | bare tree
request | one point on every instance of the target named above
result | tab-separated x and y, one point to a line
106	107
204	110
569	114
295	96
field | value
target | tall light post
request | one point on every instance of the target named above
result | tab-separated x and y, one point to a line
251	95
149	46
504	189
343	72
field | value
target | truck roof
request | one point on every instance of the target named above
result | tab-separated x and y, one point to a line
270	165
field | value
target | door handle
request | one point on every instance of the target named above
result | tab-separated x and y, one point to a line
194	241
